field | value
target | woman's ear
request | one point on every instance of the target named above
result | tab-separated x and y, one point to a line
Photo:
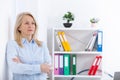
19	29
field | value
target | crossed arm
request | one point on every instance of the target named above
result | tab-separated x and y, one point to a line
19	67
44	67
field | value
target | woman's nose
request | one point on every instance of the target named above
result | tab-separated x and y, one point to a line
30	25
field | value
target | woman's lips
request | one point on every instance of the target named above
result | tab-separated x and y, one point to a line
30	30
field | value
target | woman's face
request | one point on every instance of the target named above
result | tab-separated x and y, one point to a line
27	27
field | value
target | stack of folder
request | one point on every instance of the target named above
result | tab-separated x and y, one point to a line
65	64
95	42
62	41
93	69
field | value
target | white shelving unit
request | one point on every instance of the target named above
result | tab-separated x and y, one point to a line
78	39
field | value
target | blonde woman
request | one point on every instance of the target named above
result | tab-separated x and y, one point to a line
27	57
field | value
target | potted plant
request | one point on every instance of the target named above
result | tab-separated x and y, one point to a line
69	17
94	21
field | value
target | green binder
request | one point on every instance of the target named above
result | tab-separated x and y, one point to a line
74	64
66	64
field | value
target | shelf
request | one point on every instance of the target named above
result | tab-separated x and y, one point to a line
78	39
79	57
82	52
81	76
76	29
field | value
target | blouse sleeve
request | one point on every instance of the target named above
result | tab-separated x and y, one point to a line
20	68
47	56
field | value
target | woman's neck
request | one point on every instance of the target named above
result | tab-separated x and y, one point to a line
29	38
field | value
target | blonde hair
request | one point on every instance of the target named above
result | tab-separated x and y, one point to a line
17	33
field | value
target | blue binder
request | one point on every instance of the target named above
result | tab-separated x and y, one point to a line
100	41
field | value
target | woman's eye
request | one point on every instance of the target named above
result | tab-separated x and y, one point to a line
26	23
33	23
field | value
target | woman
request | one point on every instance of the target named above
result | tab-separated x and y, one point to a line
27	57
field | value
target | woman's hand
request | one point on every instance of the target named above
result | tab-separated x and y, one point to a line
17	60
46	68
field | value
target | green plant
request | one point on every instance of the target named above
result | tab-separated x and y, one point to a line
68	16
94	20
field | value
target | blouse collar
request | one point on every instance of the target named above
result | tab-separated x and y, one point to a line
24	40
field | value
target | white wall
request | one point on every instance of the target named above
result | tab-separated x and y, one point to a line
4	23
82	9
111	16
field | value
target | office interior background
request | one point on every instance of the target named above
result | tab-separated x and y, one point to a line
49	15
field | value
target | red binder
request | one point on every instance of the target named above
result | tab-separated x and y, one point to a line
97	65
91	70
